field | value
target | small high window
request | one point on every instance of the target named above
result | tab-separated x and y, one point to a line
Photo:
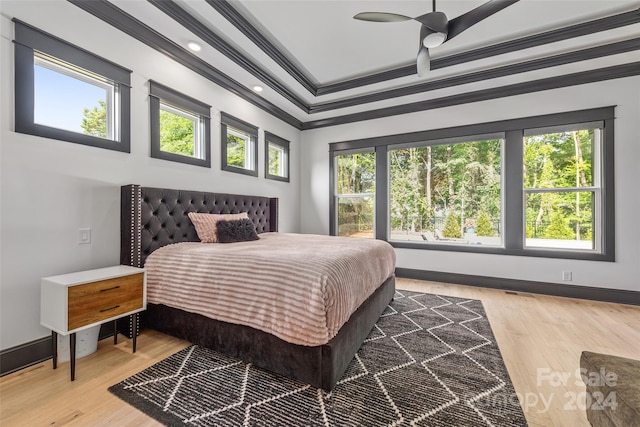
64	92
59	86
276	157
180	127
239	146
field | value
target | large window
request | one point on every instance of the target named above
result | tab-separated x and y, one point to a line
536	186
276	157
355	194
562	176
66	93
239	146
180	127
446	193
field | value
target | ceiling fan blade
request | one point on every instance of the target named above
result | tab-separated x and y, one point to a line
423	62
463	22
435	21
381	17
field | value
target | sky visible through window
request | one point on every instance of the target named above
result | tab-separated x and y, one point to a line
60	100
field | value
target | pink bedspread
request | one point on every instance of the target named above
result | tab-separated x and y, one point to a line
299	287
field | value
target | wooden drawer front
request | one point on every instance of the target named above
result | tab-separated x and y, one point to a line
102	300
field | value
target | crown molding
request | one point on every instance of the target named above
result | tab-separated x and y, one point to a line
582	29
493	73
126	23
119	19
241	23
231	14
184	18
584	77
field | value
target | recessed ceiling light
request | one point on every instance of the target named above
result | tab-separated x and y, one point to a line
257	88
194	46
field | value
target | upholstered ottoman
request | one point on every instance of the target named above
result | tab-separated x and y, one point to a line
613	389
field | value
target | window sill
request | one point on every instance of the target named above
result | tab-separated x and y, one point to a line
73	137
497	250
277	177
242	171
179	158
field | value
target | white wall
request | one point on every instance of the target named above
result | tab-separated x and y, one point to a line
50	189
622	274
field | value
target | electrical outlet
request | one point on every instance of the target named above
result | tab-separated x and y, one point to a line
567	276
84	236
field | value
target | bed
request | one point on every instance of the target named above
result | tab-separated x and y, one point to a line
154	218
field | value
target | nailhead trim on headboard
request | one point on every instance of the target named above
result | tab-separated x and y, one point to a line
138	225
155	217
133	224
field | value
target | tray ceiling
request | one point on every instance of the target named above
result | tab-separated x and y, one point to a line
315	62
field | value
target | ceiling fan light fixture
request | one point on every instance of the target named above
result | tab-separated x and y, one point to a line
434	39
423	62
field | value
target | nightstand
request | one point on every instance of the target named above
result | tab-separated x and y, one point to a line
73	302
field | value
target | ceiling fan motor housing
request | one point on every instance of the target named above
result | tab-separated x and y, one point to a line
437	25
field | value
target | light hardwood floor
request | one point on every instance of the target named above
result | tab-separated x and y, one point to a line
540	337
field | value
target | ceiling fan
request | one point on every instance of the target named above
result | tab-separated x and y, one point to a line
436	28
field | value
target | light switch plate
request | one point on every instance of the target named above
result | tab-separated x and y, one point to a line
84	236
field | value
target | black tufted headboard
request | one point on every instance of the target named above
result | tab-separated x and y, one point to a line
155	217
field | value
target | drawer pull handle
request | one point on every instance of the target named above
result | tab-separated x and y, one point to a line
109	309
109	289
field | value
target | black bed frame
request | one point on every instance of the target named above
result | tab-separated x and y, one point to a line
155	217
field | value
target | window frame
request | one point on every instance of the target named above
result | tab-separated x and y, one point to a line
160	95
29	41
595	188
52	64
229	121
333	190
467	139
283	144
512	175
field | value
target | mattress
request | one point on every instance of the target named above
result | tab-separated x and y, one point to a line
301	288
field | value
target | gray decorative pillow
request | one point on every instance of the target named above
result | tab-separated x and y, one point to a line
241	230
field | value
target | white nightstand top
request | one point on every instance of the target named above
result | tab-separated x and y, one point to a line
80	277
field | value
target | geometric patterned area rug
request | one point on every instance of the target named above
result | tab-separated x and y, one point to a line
429	361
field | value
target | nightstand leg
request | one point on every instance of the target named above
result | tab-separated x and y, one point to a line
54	348
115	332
72	349
134	330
